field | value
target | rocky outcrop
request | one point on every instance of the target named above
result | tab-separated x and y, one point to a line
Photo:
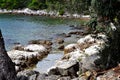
33	75
7	67
65	68
27	56
81	56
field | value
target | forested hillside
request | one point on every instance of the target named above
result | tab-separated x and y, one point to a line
76	6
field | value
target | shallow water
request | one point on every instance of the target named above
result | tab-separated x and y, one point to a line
21	29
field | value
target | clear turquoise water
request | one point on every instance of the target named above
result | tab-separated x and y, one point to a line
21	28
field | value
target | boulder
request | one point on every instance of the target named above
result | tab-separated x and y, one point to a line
70	48
64	68
88	63
35	48
7	67
75	55
29	56
34	75
27	75
85	52
46	43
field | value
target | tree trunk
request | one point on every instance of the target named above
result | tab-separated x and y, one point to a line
7	67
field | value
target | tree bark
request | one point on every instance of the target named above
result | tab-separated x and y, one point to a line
7	67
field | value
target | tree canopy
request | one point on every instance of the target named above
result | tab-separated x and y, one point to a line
72	6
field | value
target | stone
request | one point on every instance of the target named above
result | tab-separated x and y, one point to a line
35	48
33	77
95	49
61	47
70	48
88	63
76	33
109	75
65	68
80	57
68	35
18	47
41	76
27	75
30	56
52	77
7	67
59	40
75	55
65	78
42	42
75	79
46	43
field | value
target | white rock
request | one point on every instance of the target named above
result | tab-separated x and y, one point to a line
69	48
103	37
65	64
35	47
113	26
92	50
86	39
85	16
75	55
89	38
76	15
17	55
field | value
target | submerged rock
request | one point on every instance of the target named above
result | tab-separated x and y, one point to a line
61	47
59	40
7	67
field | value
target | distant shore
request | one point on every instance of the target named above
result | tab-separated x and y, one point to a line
28	11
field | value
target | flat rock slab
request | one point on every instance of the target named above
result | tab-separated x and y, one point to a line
65	68
30	55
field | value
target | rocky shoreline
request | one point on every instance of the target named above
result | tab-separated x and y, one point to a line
81	60
28	11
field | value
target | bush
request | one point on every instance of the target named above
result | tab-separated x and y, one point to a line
61	12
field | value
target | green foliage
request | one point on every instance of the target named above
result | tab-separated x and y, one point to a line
71	6
105	11
61	12
13	4
109	9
